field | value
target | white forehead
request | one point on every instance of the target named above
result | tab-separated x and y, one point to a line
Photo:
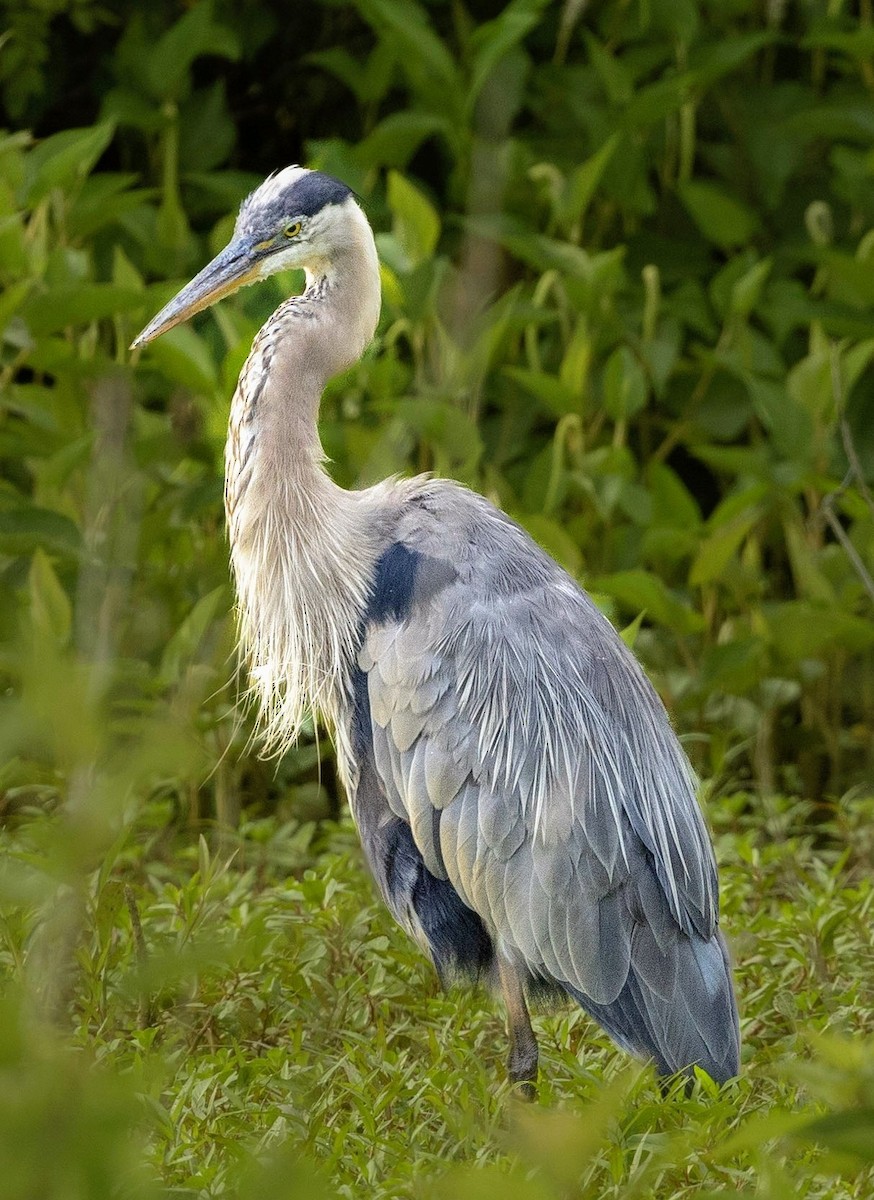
274	185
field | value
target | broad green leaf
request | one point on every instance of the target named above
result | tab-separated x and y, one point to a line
194	34
416	223
422	54
672	502
183	356
800	629
858	44
206	129
64	160
493	40
716	58
103	199
722	218
747	290
810	384
454	437
630	632
394	141
811	581
61	307
720	546
854	362
789	425
14	252
29	528
641	591
554	395
77	305
848	279
545	253
343	66
733	667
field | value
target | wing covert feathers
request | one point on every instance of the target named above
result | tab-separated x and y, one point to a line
539	775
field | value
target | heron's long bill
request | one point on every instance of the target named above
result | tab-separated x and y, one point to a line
228	271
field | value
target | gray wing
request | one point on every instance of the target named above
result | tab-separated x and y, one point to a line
536	768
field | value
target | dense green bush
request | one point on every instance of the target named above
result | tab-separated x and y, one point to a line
627	289
628	266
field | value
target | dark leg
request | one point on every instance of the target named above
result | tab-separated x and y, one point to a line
522	1059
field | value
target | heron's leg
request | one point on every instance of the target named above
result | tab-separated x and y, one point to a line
522	1059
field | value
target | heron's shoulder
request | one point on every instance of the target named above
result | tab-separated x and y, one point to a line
444	519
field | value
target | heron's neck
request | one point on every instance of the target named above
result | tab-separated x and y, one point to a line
301	547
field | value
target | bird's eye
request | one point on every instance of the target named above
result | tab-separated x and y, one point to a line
291	231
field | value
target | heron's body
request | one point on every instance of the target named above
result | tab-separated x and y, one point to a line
523	803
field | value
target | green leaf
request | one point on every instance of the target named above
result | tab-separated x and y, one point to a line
453	435
720	547
612	72
206	130
11	300
29	528
50	609
551	392
493	40
394	141
343	66
848	1132
585	178
64	160
673	505
630	632
103	199
638	590
810	384
748	289
422	55
194	34
416	224
183	646
182	355
789	425
800	629
625	385
734	667
60	307
721	218
718	57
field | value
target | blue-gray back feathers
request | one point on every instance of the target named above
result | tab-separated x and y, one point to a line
514	760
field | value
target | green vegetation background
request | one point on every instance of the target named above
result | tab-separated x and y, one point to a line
628	271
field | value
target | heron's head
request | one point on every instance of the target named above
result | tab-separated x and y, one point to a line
296	218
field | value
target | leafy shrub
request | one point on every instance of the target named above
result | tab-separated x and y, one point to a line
625	294
627	291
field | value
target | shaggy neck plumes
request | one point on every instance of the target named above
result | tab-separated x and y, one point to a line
300	548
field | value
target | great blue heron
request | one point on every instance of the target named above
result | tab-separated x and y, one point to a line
523	803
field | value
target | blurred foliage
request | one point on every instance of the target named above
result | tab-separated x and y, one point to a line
627	261
228	1009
